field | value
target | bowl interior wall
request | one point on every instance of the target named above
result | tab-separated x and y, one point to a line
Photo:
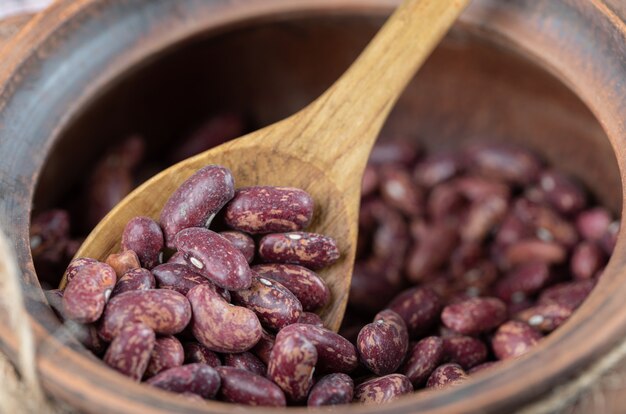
469	90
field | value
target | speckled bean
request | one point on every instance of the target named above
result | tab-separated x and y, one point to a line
424	357
86	294
514	338
587	259
562	192
482	217
436	169
197	378
335	353
292	363
215	258
306	249
446	375
196	201
76	264
220	326
168	353
123	262
382	389
592	224
263	348
242	242
332	389
310	318
526	279
196	352
274	305
535	250
419	307
399	191
309	288
130	351
265	209
506	162
383	344
243	387
135	279
247	361
464	350
545	318
474	315
436	243
165	311
145	237
182	278
569	294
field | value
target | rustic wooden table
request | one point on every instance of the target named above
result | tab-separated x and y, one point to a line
606	394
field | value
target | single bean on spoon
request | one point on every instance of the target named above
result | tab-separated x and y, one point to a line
322	149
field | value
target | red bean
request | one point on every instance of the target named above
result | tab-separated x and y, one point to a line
306	249
144	236
474	315
513	339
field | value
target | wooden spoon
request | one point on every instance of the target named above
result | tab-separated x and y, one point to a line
322	149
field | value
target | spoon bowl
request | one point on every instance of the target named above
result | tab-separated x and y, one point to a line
322	149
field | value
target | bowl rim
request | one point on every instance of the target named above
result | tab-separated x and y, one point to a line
552	35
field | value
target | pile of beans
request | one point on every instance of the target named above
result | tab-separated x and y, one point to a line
464	259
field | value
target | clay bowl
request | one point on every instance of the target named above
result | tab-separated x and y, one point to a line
542	73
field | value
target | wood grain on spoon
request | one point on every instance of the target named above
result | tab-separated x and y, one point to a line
322	149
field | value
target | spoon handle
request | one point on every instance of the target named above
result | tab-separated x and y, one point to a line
346	119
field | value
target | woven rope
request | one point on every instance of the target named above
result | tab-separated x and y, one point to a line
20	390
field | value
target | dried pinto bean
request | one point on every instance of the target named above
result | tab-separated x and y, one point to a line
526	279
562	192
382	389
196	201
219	326
199	379
383	344
310	318
214	257
425	356
85	296
474	316
309	288
123	262
587	259
263	348
545	318
434	245
135	279
306	249
513	339
76	264
292	363
569	294
130	351
274	305
335	353
196	352
464	350
511	163
168	353
592	224
165	311
245	360
399	191
264	209
243	387
143	236
332	389
419	307
242	242
178	277
436	169
446	375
